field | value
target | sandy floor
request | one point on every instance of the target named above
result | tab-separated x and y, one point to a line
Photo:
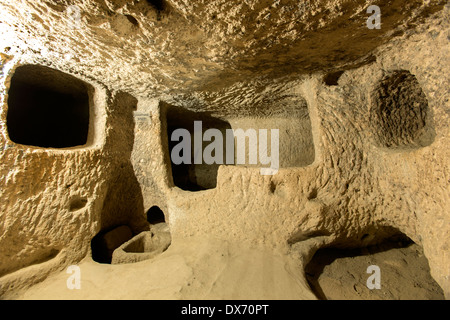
201	270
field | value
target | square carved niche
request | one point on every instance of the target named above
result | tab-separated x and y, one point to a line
48	108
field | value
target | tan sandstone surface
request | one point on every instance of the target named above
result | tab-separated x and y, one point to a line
364	145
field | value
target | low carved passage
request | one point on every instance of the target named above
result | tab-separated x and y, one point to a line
155	215
392	270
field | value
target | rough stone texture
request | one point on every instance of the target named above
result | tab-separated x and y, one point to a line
400	112
239	61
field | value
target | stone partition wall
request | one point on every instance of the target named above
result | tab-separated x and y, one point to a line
66	195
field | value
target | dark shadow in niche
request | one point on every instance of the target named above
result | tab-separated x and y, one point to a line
99	249
132	20
47	108
191	176
340	274
77	203
331	79
123	204
108	240
155	215
159	5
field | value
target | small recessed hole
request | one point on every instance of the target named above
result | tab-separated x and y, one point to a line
273	187
157	4
77	204
155	215
331	79
364	236
132	20
312	194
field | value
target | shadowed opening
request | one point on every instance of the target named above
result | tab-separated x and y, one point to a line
157	4
190	176
132	20
47	108
155	215
106	241
332	78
